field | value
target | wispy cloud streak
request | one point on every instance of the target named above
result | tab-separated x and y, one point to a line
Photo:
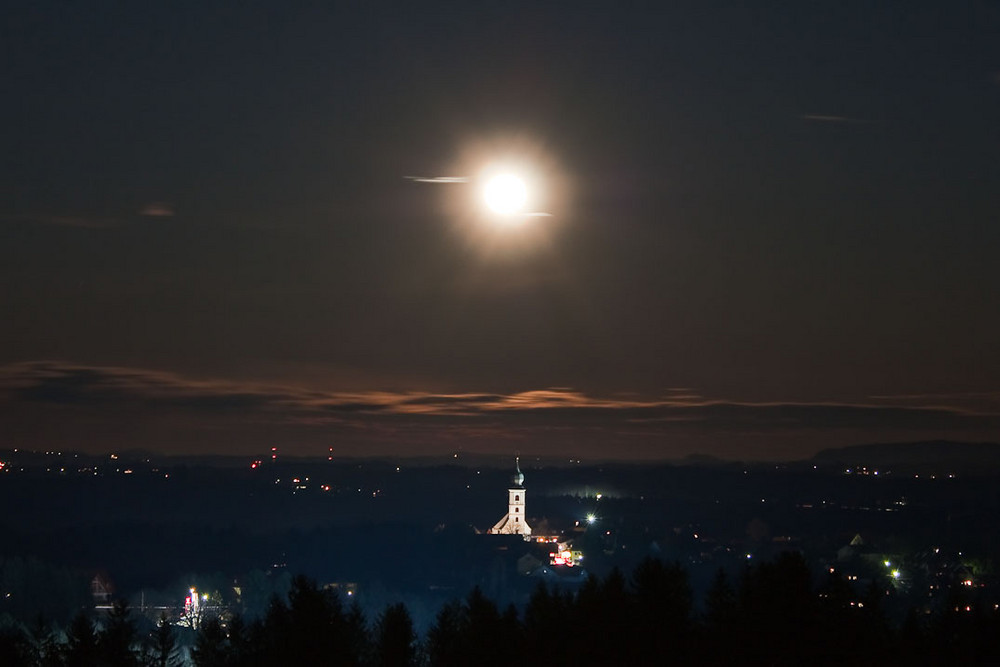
438	179
157	209
829	118
78	221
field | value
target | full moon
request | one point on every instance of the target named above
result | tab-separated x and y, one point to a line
505	194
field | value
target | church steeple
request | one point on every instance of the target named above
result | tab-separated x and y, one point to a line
514	522
517	479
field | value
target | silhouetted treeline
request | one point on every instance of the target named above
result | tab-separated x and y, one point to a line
773	614
29	587
115	641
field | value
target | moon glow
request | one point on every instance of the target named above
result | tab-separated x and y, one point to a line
505	194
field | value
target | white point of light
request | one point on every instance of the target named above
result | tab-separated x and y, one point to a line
591	518
505	194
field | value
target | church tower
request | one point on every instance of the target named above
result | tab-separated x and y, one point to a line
515	522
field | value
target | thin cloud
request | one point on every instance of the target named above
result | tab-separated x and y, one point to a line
437	179
466	179
828	118
108	388
78	221
157	209
972	402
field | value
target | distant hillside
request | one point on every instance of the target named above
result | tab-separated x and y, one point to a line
704	460
930	456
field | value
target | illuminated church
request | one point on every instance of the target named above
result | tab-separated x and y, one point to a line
514	522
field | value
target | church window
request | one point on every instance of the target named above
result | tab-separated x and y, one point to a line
517	519
517	509
517	498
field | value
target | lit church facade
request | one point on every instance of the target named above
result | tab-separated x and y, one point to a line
514	522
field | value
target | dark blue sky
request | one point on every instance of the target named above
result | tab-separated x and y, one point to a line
774	226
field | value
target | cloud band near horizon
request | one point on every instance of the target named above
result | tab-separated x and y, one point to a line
61	401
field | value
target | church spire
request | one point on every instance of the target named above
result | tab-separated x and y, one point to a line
514	522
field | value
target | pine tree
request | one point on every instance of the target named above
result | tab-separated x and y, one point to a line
115	642
445	636
359	648
15	647
81	642
720	633
547	629
162	650
48	652
211	647
395	640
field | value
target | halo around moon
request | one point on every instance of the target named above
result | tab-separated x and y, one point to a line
517	200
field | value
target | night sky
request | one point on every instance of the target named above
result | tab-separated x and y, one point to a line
773	227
